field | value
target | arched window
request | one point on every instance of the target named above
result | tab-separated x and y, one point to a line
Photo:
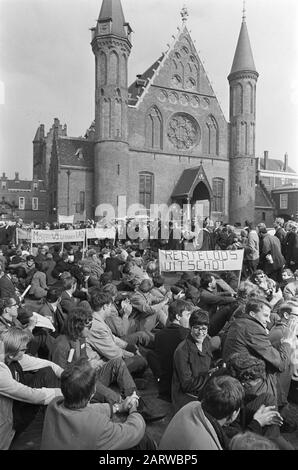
250	97
154	128
237	99
106	118
114	68
146	187
118	118
212	137
123	73
102	69
218	188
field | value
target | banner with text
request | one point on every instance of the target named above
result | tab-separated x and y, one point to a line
101	233
57	236
23	234
65	219
217	260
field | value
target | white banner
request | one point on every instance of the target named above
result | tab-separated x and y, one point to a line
23	234
57	236
101	233
65	219
217	260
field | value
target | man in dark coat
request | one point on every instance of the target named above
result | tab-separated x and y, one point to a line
249	334
160	358
7	288
271	255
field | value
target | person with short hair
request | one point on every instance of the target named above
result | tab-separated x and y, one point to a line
161	355
73	423
102	340
219	305
200	426
25	381
249	334
192	361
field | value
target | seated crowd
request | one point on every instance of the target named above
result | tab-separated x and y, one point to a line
78	335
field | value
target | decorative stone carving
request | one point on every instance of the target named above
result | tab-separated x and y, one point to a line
183	131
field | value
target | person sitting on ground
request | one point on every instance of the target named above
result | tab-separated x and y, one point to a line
9	316
270	288
73	423
113	264
259	412
120	321
249	334
52	310
160	357
219	305
7	287
192	361
93	262
71	346
148	311
21	389
291	289
200	426
288	312
102	340
39	286
287	277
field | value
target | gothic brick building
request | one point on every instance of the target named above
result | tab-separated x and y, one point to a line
162	139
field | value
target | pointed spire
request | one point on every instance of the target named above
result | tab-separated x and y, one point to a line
112	10
243	59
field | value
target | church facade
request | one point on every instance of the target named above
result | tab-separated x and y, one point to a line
164	139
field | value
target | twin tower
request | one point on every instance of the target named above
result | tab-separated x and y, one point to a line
111	45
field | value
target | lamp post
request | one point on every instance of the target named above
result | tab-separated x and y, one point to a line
68	178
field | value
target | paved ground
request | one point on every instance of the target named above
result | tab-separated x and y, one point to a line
31	438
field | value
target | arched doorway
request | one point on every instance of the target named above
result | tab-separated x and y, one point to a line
201	197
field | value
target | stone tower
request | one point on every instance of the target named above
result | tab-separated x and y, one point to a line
111	45
243	79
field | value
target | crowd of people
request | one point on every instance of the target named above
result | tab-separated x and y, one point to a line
80	331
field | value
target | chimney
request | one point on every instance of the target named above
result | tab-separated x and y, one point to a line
266	158
286	162
16	176
3	175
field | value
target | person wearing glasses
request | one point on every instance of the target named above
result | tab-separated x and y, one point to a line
9	310
192	361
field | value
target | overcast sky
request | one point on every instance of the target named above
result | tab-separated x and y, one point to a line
47	65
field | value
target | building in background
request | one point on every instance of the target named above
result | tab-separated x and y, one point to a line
286	201
22	198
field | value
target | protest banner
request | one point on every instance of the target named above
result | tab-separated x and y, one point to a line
23	234
65	219
217	260
57	236
101	233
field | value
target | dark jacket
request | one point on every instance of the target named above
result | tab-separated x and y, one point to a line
271	245
248	335
67	303
291	248
58	317
7	288
112	265
190	371
61	351
210	301
165	344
